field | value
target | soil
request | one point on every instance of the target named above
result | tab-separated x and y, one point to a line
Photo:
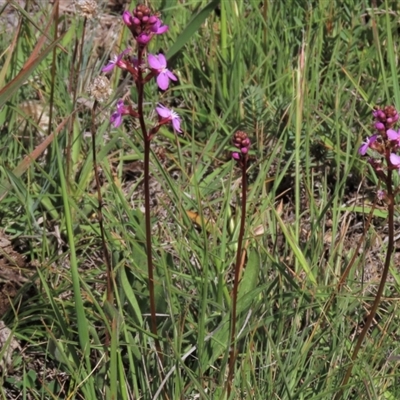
13	273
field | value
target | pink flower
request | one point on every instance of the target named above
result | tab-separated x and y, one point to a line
127	18
379	114
168	115
116	117
242	142
364	147
159	29
381	194
116	61
158	64
393	136
236	155
143	38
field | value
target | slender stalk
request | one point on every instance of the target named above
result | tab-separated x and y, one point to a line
146	141
238	264
374	308
106	254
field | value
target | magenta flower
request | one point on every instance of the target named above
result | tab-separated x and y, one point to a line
127	18
169	115
381	194
395	160
393	136
159	29
116	117
379	114
242	142
116	61
364	147
143	38
379	126
236	156
158	64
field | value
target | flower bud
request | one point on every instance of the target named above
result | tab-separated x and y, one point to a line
152	20
236	156
127	18
241	141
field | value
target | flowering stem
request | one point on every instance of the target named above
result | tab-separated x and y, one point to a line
374	308
238	264
146	141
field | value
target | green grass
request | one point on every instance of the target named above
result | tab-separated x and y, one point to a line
301	78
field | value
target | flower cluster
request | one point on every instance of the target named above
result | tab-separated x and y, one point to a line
143	25
385	142
242	142
86	8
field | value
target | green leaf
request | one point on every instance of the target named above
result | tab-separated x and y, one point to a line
250	274
192	27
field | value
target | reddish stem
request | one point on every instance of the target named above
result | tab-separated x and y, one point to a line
239	257
374	308
147	141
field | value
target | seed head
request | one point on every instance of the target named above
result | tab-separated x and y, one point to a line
100	89
86	8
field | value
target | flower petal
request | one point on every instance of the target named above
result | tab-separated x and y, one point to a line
171	75
120	106
116	119
176	124
363	149
158	29
109	67
162	29
163	81
162	60
395	159
392	134
163	111
153	61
